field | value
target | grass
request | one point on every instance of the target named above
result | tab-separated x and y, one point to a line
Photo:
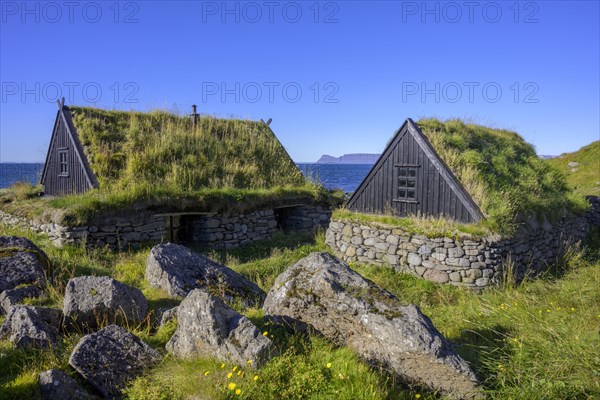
163	149
585	178
85	208
428	226
537	339
502	172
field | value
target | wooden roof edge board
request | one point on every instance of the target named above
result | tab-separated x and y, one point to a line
50	146
89	174
445	171
377	165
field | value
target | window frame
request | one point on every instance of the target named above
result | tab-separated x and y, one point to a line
63	172
406	182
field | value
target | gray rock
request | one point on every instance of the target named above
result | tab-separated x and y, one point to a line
56	385
325	293
178	270
168	315
436	275
21	262
455	252
92	301
107	359
414	259
29	326
573	164
12	297
206	326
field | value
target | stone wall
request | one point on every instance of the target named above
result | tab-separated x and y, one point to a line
213	230
464	261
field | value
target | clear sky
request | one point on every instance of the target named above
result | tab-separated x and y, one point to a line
336	77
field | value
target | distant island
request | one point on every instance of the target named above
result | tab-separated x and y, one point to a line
359	158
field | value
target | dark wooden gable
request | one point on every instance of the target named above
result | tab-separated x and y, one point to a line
411	179
66	170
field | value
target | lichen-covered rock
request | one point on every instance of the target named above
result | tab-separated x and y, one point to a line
92	301
57	385
21	262
107	359
178	270
12	297
206	326
323	292
168	315
29	326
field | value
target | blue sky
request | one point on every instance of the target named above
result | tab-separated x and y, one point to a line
336	77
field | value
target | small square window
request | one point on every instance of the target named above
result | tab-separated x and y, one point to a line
407	183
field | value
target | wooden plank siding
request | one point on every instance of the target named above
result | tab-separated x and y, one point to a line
77	179
437	193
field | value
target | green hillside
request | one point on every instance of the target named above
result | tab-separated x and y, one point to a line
501	171
585	177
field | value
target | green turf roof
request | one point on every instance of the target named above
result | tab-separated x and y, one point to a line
163	150
501	171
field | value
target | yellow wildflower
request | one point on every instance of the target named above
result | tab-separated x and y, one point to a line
417	396
255	377
239	372
223	365
249	362
328	365
238	392
234	368
266	333
231	386
206	373
229	375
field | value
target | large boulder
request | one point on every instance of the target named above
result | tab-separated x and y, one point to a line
21	262
29	326
178	270
206	326
92	301
107	359
322	292
12	297
55	384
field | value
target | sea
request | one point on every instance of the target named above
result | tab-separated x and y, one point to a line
20	172
346	177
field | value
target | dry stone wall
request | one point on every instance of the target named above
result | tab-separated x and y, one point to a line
465	261
214	230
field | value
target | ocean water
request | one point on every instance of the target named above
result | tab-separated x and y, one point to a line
20	172
346	177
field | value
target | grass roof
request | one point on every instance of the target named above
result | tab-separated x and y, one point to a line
162	150
501	171
583	178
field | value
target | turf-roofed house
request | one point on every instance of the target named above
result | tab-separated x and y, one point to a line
460	203
120	178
